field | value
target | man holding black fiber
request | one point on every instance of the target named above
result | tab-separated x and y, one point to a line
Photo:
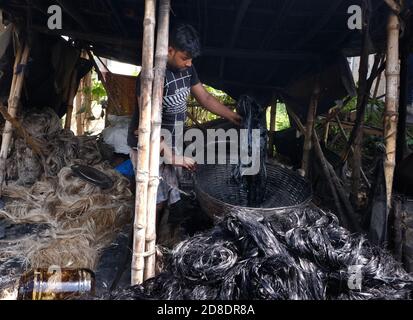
181	80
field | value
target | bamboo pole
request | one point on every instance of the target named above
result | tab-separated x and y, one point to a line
142	172
79	115
327	129
22	56
70	100
343	133
161	57
392	100
273	125
324	168
402	148
362	100
329	179
376	71
87	101
348	217
312	110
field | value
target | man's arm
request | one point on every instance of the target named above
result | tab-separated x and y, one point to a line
205	99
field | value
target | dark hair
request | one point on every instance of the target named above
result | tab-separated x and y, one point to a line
185	38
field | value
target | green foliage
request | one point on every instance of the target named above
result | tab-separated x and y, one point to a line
282	121
98	91
201	114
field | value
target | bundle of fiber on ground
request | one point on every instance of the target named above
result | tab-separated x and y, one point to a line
306	256
61	148
79	219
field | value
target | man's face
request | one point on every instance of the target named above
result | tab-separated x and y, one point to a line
178	60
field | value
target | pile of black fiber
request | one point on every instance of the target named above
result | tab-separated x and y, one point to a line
302	255
253	118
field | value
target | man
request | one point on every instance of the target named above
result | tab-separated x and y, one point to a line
181	79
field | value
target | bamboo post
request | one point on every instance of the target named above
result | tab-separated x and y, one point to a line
349	218
273	127
392	100
343	133
329	179
309	127
324	167
327	129
142	172
362	100
22	56
404	81
79	116
70	100
87	101
161	57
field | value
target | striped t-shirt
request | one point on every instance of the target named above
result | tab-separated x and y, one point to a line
176	91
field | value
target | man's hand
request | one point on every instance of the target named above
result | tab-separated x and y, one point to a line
184	162
136	133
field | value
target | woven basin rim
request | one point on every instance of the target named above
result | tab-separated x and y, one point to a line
217	201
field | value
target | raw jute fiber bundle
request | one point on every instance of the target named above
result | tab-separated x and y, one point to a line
79	219
61	148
